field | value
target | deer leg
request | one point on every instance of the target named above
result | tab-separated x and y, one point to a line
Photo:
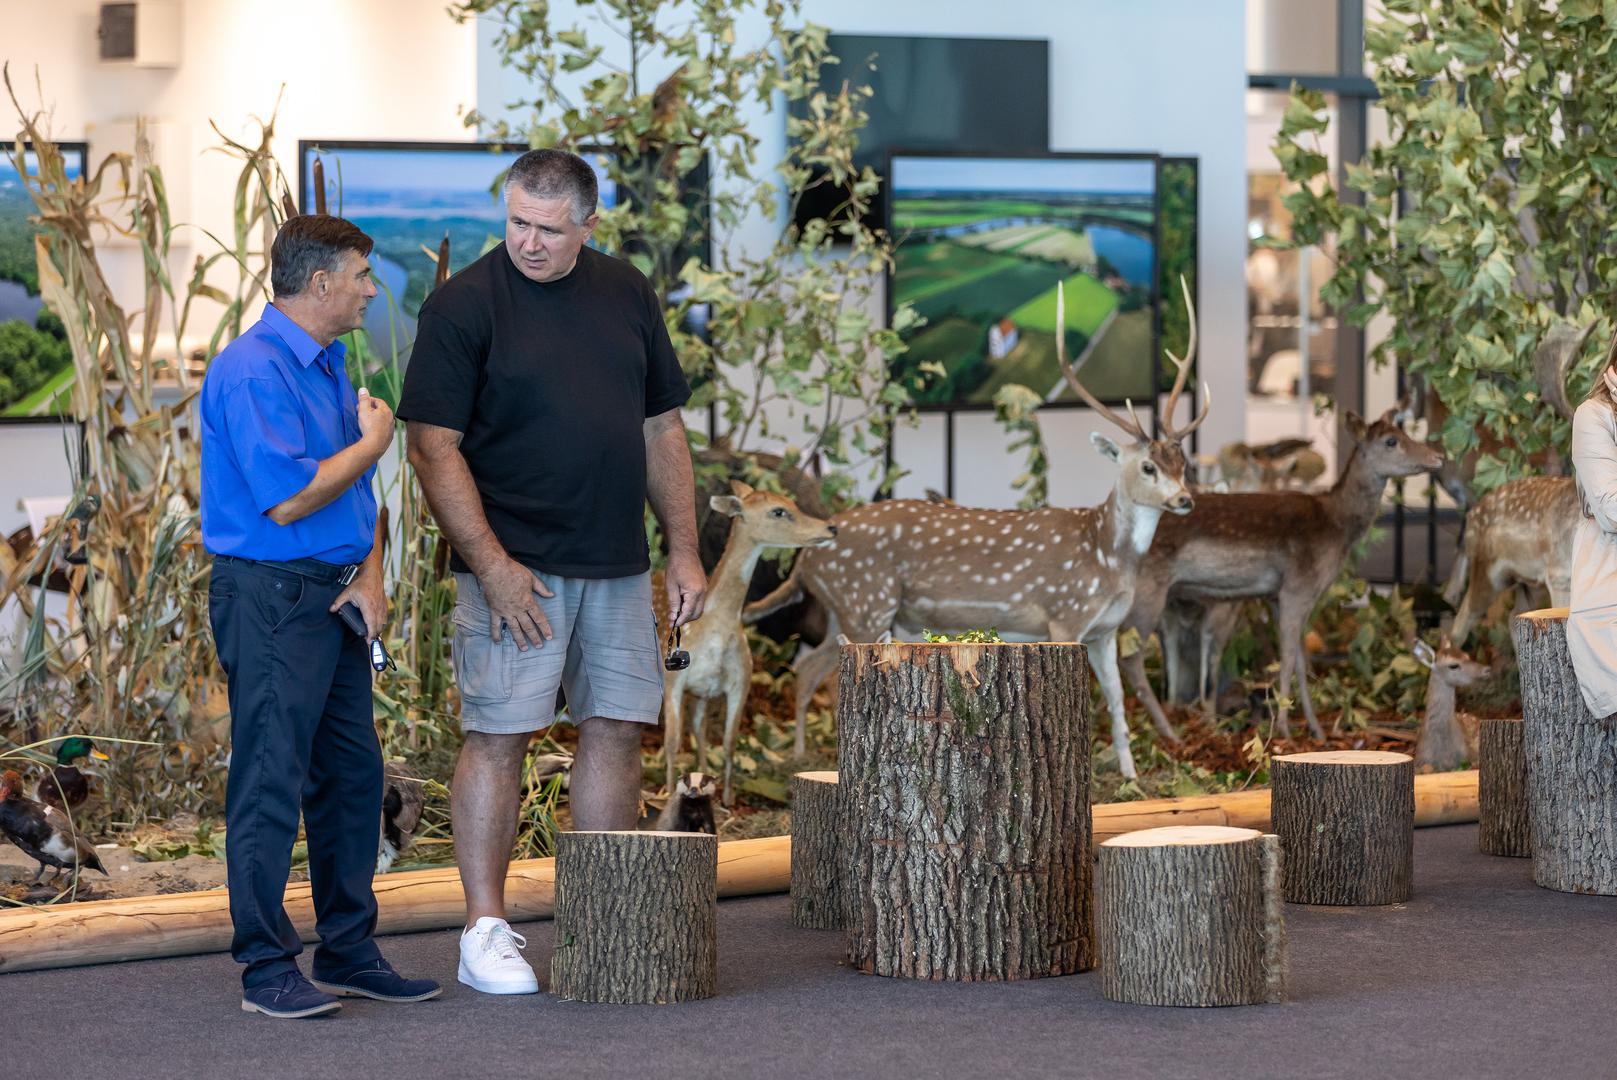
1293	616
673	727
1104	655
1479	596
812	669
1169	632
735	700
1134	668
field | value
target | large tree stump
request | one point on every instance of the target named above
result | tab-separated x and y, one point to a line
636	917
1191	915
1571	764
817	820
1503	827
1346	822
965	771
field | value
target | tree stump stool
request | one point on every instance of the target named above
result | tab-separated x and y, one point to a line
1502	826
816	826
965	770
1191	915
1346	822
636	917
1571	764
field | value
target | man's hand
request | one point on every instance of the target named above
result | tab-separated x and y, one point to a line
370	597
687	587
508	587
375	424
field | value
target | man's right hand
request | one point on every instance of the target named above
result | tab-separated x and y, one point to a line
375	424
508	589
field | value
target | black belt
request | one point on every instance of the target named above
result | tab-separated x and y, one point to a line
313	569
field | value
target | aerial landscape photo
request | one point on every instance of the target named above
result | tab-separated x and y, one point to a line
36	366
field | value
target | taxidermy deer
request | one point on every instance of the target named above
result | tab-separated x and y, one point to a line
1285	545
1053	574
720	660
1447	738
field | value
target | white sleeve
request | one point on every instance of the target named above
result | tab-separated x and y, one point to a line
1594	459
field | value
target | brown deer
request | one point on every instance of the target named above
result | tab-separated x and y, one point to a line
1052	574
1519	534
720	660
1285	545
1447	738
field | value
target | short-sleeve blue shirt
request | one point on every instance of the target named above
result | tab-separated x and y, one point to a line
274	405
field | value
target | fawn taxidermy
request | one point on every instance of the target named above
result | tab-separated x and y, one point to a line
1447	737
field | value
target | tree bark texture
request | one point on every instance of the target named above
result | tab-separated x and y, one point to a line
1571	764
1191	915
1502	811
636	917
817	823
965	771
1346	822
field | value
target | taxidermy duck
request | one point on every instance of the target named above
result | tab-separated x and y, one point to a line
65	786
403	798
42	832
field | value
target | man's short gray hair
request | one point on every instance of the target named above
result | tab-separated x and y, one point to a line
556	174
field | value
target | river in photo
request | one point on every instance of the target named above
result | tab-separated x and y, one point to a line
1128	251
17	302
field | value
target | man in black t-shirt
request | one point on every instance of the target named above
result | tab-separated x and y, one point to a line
542	402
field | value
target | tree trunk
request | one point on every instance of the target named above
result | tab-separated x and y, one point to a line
966	777
1571	764
636	917
816	825
1502	789
1191	915
1346	822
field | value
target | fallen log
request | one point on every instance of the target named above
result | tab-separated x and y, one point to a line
183	924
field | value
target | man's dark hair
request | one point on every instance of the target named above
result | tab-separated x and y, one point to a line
557	174
311	242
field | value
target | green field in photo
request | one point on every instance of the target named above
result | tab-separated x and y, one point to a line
1088	304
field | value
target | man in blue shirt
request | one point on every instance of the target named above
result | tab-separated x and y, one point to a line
288	453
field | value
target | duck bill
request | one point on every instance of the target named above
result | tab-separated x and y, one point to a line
100	755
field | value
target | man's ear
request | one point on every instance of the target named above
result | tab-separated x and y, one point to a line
728	505
1108	449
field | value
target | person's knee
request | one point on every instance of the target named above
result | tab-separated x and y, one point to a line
609	734
484	748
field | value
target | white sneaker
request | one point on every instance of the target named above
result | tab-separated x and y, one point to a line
490	962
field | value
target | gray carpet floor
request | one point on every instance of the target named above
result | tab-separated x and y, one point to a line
1481	974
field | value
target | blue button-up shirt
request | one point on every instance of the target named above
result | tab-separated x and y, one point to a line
274	405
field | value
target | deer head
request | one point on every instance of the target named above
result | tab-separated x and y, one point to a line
1388	450
1151	472
1450	665
764	519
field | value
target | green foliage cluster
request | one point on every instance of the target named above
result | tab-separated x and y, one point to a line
31	355
968	637
1485	216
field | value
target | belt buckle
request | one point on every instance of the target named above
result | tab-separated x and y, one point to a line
348	574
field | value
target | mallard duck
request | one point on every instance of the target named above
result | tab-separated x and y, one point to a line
65	787
403	797
42	832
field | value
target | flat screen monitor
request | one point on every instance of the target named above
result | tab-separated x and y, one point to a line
936	93
981	244
36	364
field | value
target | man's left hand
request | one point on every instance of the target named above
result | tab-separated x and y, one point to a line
370	597
687	587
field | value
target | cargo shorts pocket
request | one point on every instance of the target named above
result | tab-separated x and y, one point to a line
482	667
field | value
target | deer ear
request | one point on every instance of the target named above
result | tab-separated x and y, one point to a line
740	489
1424	653
728	505
1108	449
1355	424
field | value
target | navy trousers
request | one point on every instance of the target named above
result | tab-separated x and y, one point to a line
303	737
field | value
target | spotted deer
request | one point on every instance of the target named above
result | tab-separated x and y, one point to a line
1448	738
1288	546
1052	574
720	660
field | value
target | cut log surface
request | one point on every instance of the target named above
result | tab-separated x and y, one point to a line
1571	764
1346	822
1192	916
1502	811
816	827
636	917
966	777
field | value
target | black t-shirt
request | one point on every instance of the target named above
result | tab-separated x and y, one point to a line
550	384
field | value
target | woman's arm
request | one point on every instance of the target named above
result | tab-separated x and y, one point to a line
1594	458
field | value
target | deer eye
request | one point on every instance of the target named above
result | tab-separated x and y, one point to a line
779	512
1149	469
1392	440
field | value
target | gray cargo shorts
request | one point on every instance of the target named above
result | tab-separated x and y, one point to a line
604	655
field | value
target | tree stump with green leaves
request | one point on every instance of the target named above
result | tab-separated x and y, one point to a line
1346	822
1502	816
1191	915
965	776
817	822
636	917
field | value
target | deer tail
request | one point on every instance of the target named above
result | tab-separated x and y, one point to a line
784	595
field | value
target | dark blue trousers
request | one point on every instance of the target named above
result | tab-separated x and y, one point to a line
303	737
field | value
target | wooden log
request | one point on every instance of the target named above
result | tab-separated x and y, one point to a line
1502	814
1571	764
966	777
637	917
1191	915
1346	822
816	827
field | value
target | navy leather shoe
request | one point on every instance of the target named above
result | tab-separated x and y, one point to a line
290	997
377	980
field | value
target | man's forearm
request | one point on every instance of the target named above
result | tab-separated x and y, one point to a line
372	566
451	492
670	484
334	476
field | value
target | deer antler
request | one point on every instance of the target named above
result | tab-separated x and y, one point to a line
1168	429
1130	426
